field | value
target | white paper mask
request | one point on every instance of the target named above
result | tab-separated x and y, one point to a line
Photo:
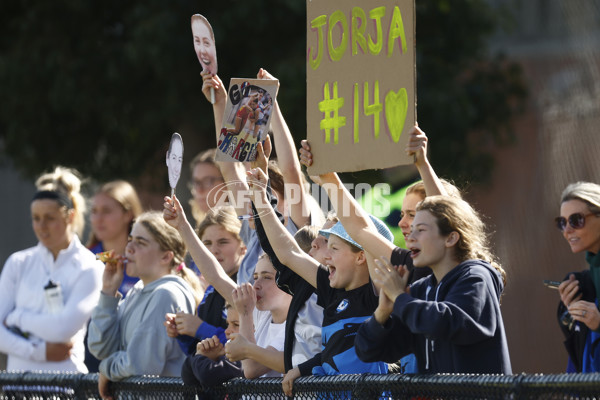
175	160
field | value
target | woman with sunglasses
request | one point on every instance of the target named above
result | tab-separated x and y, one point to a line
579	222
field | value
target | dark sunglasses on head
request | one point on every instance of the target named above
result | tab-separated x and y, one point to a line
577	221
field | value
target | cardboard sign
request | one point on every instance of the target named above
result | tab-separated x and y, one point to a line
246	119
361	84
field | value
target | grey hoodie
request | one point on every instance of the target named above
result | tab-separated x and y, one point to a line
129	336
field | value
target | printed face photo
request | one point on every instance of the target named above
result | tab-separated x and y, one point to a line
246	118
175	159
204	44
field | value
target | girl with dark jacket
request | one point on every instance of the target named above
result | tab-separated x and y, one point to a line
450	320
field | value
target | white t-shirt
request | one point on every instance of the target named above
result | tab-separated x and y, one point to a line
307	331
268	334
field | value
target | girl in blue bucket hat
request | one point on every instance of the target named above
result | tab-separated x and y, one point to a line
343	286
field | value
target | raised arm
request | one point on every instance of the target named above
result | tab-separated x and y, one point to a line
289	163
417	146
287	280
209	266
286	249
233	172
210	81
353	217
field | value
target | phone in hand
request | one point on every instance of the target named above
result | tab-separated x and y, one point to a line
551	284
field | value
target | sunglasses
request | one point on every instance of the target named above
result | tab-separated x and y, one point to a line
577	221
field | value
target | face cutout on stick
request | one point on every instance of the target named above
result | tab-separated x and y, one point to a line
205	47
175	160
204	43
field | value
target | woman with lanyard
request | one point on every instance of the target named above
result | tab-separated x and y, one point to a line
48	292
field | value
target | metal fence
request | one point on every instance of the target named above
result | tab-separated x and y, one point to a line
32	385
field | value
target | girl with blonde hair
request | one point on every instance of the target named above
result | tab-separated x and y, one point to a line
128	335
114	208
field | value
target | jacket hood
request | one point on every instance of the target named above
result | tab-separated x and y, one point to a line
467	265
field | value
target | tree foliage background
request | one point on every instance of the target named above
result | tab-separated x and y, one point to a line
101	86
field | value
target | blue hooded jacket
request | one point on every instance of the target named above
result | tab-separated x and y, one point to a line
454	326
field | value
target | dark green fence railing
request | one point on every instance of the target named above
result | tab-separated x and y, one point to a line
37	385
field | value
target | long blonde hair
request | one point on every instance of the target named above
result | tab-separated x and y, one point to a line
456	215
66	181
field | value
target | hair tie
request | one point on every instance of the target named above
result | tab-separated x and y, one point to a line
180	267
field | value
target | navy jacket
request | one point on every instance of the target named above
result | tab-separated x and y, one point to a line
452	327
198	370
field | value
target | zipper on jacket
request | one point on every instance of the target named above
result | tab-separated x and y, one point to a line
427	339
437	290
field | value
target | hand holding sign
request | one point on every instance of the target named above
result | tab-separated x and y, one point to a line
174	160
204	46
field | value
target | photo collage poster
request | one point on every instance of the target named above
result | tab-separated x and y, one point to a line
247	118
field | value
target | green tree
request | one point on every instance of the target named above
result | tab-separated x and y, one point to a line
467	97
101	86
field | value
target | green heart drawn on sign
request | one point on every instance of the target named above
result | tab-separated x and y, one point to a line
396	105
